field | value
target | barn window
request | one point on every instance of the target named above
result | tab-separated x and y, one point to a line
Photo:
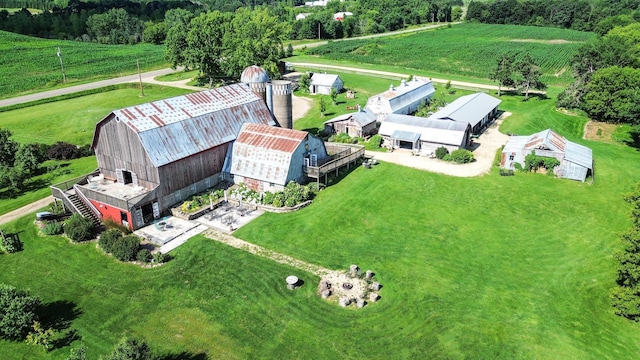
512	156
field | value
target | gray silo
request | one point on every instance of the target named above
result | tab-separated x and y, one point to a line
257	79
279	100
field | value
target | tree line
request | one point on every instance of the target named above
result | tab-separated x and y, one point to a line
581	15
126	21
607	77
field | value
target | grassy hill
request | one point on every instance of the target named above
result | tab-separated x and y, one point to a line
468	49
29	63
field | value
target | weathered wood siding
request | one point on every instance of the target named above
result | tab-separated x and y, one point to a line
118	147
188	172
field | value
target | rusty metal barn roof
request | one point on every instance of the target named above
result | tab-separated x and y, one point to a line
264	152
178	127
546	140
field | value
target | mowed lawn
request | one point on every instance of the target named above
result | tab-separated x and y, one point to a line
485	268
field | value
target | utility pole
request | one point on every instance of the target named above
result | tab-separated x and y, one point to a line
318	30
140	77
64	77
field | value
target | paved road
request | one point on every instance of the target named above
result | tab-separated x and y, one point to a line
83	87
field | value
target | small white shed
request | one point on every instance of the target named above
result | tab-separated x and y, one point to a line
322	83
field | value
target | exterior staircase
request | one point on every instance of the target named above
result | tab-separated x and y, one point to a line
80	207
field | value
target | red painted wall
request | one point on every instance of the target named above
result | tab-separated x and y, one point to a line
110	212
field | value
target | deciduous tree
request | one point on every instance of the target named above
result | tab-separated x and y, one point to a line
613	95
529	75
503	72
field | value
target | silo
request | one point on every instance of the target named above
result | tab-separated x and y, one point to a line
279	100
257	79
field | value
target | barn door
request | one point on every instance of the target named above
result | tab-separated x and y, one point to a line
139	218
156	210
134	178
119	176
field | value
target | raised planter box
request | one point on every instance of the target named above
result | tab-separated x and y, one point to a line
195	214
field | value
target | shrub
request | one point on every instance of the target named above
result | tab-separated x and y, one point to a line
78	228
374	142
110	224
126	248
108	239
626	302
129	349
161	258
52	228
441	152
17	312
462	156
549	163
62	151
144	255
12	244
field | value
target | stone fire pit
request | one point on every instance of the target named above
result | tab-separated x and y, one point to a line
346	288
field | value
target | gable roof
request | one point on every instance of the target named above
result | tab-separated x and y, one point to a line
362	118
396	98
549	140
469	108
175	128
430	130
264	152
318	79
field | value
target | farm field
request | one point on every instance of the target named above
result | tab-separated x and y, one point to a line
468	49
31	64
483	268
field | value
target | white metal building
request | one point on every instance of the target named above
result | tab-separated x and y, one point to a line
322	83
423	135
404	99
477	109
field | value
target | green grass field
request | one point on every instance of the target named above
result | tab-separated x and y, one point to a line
74	120
468	49
483	268
31	64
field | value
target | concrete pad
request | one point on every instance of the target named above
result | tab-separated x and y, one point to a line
228	218
160	235
181	239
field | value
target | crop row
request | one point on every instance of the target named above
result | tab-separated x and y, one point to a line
30	63
465	49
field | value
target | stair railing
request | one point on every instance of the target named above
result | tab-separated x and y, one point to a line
87	203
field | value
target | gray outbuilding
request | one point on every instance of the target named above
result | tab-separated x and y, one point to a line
322	83
361	124
576	161
423	135
478	109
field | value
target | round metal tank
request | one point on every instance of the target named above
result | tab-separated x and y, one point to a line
281	100
257	79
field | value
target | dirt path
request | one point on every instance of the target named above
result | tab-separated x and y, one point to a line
260	251
484	154
33	207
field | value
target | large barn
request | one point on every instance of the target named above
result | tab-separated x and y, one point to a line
576	161
478	110
423	135
154	155
404	99
266	158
